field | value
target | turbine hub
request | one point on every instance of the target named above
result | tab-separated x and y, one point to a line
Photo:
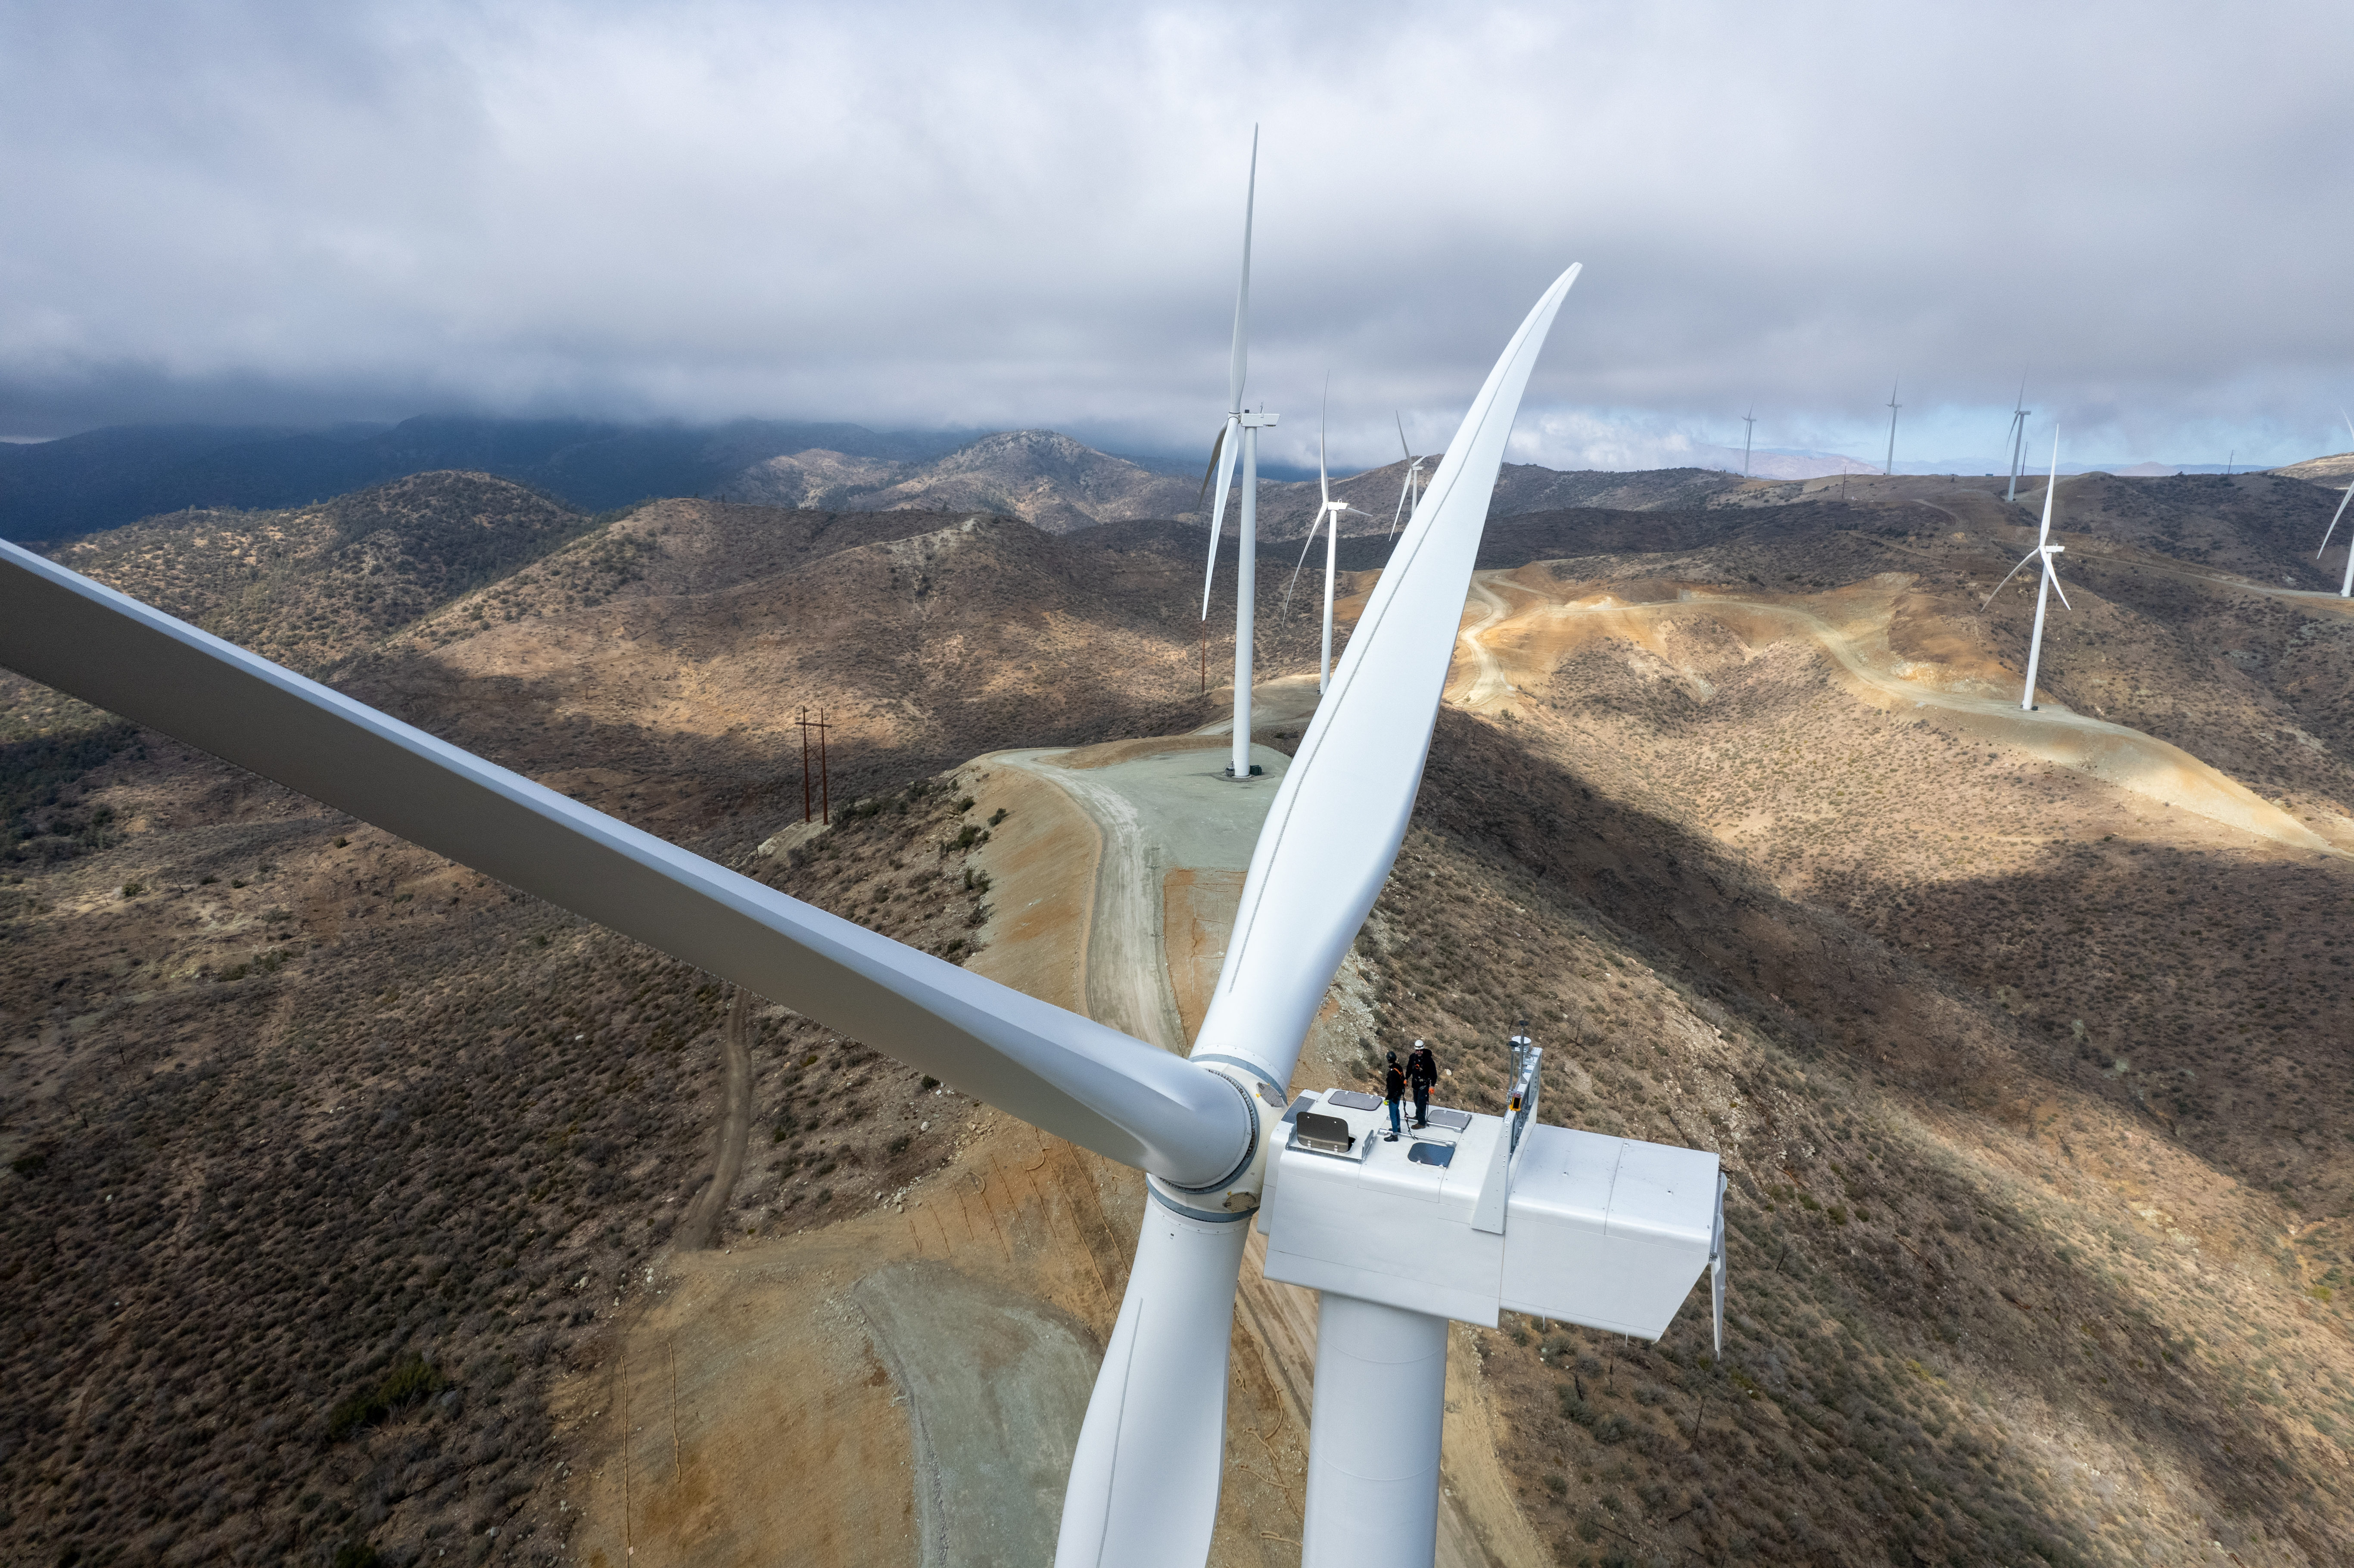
1234	1195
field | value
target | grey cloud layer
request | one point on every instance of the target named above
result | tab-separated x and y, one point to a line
954	216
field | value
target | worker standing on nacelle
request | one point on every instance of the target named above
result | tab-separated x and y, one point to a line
1393	1091
1422	1076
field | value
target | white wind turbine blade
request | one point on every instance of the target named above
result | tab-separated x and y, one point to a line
2049	579
1405	485
2341	500
1217	450
1323	483
2050	572
1323	513
1241	350
2008	575
2334	517
1144	1480
1222	459
1341	809
1143	1491
2051	490
1056	1070
1222	456
1323	519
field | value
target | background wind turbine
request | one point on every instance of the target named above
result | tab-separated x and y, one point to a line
1207	1130
1748	434
2050	580
1410	491
1890	466
2346	588
1328	517
2018	413
1245	426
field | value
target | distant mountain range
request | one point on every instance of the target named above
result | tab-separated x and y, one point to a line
105	479
102	479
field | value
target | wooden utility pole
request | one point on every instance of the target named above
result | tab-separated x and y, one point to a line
803	722
824	806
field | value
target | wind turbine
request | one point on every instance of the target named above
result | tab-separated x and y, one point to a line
2344	589
1328	517
1222	459
1607	1232
1889	467
1749	433
1410	491
2020	411
2050	581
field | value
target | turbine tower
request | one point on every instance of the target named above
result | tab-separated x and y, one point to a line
1748	434
2020	411
1246	425
1410	491
2346	588
1889	467
2049	582
1328	517
1486	1215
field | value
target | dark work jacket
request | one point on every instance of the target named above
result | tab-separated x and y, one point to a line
1421	1067
1394	1085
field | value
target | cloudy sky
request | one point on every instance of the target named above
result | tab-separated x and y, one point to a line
975	216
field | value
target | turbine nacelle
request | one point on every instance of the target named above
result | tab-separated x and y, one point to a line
1483	1214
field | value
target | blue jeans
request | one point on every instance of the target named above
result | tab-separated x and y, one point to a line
1394	1119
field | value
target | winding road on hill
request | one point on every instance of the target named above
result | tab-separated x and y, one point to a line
1487	680
699	1226
1128	984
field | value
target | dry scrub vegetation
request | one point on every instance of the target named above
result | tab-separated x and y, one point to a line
326	1163
1980	1311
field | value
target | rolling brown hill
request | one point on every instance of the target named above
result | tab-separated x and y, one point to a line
1046	479
333	1172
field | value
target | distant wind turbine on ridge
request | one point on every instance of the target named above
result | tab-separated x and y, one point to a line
1747	435
2018	413
1328	517
1889	467
2051	579
1410	491
1246	426
2346	588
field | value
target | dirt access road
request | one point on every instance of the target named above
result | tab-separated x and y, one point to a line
697	1226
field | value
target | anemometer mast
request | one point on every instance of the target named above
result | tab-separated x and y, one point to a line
1526	1056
